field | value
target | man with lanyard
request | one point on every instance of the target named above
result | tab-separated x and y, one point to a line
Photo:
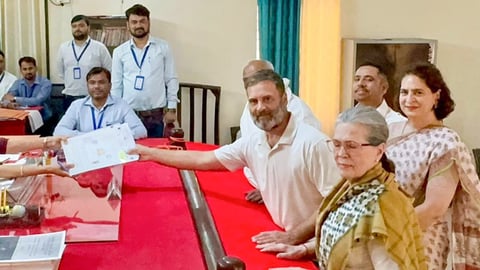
76	57
6	78
31	90
99	109
143	73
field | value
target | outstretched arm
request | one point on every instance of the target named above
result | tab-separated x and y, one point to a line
22	144
187	160
12	171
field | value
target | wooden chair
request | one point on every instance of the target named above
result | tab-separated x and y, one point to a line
199	99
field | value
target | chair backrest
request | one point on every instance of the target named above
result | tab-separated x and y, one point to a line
56	102
199	98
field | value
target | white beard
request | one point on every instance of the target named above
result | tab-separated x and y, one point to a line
269	123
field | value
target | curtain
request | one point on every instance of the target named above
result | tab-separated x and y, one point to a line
279	36
24	33
320	47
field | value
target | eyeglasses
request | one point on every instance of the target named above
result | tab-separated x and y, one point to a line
335	145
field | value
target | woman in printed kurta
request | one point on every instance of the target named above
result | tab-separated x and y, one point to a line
435	167
366	222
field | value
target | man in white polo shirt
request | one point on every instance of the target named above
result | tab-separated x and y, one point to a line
299	109
290	160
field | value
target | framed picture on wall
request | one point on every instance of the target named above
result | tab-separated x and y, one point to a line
394	55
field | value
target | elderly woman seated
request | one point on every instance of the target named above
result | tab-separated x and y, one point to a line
367	221
15	145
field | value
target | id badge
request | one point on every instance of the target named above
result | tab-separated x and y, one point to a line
139	82
77	73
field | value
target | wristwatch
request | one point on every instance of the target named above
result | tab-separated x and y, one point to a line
171	110
15	99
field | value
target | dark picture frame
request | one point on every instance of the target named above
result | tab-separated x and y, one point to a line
394	55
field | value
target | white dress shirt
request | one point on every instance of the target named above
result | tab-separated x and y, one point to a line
6	81
390	115
95	54
146	86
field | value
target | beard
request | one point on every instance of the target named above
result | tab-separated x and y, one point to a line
139	34
29	76
79	36
267	121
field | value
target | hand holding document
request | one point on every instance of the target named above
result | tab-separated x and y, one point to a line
99	149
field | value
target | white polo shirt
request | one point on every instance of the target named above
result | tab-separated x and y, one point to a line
293	176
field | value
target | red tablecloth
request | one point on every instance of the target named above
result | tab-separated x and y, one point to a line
156	229
236	219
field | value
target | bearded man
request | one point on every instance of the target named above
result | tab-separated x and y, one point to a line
143	73
289	159
77	57
31	90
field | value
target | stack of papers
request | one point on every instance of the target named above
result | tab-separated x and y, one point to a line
38	251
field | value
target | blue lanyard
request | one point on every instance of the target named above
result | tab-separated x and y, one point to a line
26	90
83	51
143	57
95	127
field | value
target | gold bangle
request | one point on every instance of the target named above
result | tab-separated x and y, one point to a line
21	170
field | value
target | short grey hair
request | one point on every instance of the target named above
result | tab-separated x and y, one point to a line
370	118
265	75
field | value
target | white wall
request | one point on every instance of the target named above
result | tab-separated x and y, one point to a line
454	25
211	39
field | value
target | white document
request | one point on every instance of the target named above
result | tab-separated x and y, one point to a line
37	251
35	119
100	148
